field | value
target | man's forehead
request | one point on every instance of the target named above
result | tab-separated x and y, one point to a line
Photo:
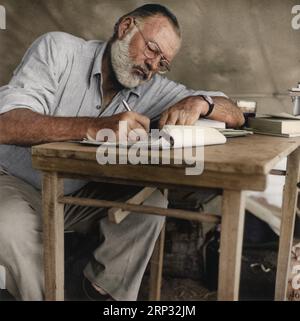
158	24
160	30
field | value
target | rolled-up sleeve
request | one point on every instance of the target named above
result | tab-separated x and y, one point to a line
35	81
167	93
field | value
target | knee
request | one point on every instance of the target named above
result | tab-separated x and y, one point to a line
157	199
10	235
7	242
149	222
15	234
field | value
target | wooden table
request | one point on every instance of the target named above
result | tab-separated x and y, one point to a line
240	164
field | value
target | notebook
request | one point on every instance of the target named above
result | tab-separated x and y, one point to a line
172	136
210	123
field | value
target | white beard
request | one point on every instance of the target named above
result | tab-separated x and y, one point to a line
123	64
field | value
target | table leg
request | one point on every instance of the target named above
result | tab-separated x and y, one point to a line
53	234
232	228
156	267
287	224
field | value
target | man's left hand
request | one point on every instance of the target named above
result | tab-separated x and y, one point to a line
185	112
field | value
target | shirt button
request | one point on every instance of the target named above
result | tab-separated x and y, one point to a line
98	107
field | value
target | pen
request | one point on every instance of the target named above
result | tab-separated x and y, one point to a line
126	105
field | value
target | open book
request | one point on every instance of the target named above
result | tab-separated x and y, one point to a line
203	122
171	136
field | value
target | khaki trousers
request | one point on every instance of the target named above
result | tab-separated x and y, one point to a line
118	263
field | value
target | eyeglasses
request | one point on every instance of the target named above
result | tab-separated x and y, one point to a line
152	51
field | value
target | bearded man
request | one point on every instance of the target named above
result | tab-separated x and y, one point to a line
65	88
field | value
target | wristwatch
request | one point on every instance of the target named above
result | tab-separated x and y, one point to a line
211	104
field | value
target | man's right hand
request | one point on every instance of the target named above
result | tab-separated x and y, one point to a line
135	127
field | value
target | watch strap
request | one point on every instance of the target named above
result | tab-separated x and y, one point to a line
211	105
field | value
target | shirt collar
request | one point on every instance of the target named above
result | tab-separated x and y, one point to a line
136	91
97	67
97	63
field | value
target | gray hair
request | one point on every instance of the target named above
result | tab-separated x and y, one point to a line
150	10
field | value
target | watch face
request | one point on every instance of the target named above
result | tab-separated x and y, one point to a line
209	99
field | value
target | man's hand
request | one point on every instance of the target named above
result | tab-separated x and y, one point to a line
185	112
190	109
24	127
136	127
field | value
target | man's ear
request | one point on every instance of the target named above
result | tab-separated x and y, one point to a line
124	27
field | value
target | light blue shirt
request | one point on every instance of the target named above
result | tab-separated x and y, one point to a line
60	75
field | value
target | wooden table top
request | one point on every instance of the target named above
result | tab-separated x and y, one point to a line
255	154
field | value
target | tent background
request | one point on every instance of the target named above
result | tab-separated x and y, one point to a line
246	48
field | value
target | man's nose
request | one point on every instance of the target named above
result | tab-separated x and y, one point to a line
153	63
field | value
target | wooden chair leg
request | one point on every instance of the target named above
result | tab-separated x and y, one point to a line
156	267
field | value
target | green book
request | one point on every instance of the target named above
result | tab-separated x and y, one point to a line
275	125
